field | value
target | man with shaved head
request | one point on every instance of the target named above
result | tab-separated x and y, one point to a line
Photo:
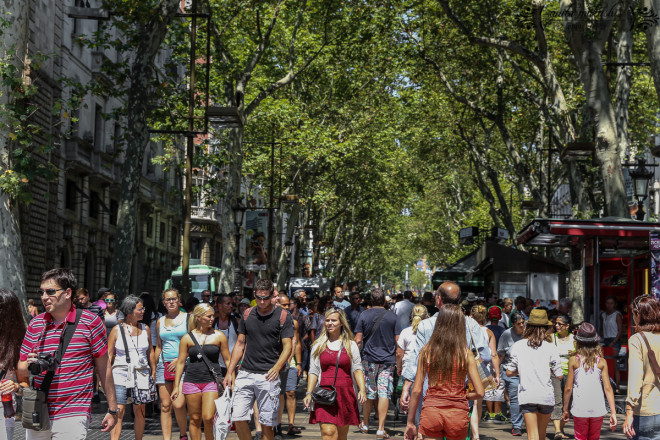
447	293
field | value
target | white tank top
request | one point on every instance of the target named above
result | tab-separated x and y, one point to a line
610	329
137	348
588	395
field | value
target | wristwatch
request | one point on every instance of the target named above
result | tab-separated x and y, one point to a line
112	412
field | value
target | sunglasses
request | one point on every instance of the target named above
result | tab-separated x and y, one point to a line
262	298
49	292
109	301
637	300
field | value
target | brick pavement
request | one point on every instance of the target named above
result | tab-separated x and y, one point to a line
395	427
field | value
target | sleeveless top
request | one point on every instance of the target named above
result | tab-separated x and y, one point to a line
565	348
449	392
610	329
588	395
328	361
171	337
196	370
137	350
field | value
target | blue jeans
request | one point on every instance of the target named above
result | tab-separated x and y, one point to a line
512	388
646	427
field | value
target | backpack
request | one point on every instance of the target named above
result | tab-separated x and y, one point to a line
283	314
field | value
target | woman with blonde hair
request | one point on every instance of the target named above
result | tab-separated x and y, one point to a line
406	341
201	346
336	358
478	313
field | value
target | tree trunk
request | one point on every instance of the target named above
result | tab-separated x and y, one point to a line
283	261
139	94
653	44
15	51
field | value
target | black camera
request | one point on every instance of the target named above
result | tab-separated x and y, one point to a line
44	362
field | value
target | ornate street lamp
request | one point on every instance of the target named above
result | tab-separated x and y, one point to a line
641	177
239	212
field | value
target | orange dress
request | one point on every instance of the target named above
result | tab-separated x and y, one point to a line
445	409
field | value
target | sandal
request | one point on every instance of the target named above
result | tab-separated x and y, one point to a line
293	431
382	435
183	437
364	428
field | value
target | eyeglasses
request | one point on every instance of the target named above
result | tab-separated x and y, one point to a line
561	324
109	301
170	300
49	292
637	300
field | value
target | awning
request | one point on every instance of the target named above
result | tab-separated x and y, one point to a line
620	232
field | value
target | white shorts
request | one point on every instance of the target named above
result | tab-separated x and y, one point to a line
249	387
496	395
68	428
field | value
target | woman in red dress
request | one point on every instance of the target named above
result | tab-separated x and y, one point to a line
336	339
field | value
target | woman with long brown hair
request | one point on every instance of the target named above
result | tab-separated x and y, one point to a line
530	359
446	360
643	401
12	331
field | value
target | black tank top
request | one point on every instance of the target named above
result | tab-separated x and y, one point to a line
196	370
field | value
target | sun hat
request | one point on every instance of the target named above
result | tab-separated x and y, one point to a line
539	317
471	297
245	301
587	333
494	312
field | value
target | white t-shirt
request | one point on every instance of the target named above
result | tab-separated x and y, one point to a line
406	343
535	367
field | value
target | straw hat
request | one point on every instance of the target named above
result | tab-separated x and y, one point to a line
539	317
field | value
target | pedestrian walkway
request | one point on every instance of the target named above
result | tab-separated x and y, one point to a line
394	426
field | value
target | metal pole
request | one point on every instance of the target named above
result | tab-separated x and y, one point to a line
269	259
185	261
238	282
549	208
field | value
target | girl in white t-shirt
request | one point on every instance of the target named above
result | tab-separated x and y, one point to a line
406	341
586	370
535	358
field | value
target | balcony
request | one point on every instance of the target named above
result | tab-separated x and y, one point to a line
78	155
198	213
100	63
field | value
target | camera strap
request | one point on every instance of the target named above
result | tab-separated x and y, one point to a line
65	338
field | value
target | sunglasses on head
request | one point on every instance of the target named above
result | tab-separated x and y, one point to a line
637	300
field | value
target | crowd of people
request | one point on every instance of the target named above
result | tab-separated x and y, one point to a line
451	361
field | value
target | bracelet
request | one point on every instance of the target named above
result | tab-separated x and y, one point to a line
308	393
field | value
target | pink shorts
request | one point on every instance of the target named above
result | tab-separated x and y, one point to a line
193	388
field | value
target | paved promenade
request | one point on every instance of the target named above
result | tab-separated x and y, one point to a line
395	427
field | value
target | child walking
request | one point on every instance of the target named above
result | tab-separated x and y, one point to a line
586	370
445	360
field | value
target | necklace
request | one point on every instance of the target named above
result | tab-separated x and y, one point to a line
201	346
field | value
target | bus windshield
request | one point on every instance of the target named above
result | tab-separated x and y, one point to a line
198	283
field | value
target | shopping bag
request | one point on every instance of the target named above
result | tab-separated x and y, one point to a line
222	420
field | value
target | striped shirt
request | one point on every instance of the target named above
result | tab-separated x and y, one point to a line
70	393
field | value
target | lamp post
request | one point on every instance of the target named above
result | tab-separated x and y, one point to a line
640	176
288	248
239	213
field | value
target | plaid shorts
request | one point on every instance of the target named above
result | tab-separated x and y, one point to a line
379	380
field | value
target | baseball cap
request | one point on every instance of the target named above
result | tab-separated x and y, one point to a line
494	312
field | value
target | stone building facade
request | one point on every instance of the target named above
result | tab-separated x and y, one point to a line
71	221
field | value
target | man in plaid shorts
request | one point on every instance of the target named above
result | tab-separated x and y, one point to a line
377	332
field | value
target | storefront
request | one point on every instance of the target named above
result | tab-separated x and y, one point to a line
614	256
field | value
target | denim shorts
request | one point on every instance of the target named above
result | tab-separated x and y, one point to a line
529	408
292	379
160	374
646	427
122	394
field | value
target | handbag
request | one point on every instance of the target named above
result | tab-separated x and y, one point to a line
487	379
35	402
324	396
216	377
139	396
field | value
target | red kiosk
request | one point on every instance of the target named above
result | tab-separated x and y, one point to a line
614	256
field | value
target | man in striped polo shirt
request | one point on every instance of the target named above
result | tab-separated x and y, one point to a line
70	393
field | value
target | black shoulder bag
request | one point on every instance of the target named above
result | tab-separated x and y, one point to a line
218	379
35	402
373	330
324	396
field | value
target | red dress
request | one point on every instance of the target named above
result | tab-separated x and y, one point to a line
345	410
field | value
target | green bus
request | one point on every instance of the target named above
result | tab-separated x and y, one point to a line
202	277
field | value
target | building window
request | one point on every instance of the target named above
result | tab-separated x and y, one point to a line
114	210
162	232
70	196
116	139
174	236
94	200
98	128
150	227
